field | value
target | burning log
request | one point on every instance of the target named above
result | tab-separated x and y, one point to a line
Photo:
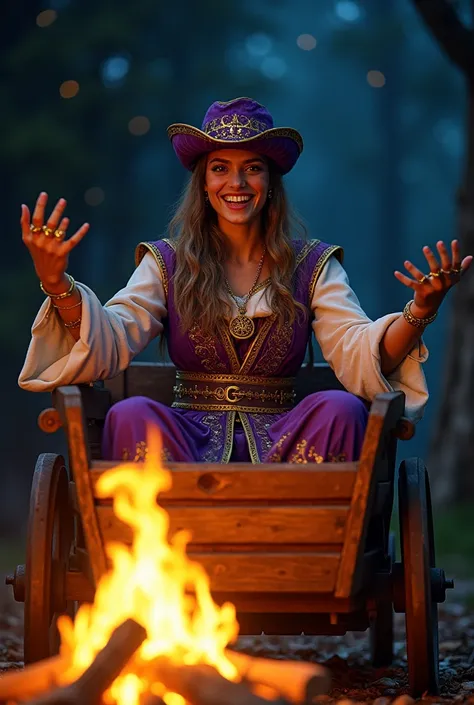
284	682
90	687
34	679
203	685
298	682
292	682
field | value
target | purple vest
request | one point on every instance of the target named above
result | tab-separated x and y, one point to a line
274	351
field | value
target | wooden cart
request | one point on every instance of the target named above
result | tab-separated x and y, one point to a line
297	548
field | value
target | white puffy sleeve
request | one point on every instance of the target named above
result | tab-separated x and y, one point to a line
110	335
350	341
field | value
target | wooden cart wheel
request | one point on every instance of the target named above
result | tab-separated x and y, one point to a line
50	536
381	626
418	557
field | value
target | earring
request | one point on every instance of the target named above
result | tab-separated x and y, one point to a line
270	194
206	197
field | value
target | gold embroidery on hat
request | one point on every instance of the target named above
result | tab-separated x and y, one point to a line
180	129
234	126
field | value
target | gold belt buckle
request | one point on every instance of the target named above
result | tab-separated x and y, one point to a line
232	388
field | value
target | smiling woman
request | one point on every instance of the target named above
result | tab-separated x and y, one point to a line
241	195
236	289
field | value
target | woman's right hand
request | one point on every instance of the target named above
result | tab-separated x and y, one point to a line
45	242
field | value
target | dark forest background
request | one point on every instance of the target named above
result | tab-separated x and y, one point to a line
382	93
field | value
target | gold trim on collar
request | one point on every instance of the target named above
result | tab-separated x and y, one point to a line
257	344
318	267
305	250
170	243
141	251
229	348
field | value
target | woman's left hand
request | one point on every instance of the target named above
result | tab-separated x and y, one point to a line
430	289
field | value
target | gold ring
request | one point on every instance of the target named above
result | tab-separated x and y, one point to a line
447	271
59	234
423	279
455	270
36	228
435	274
47	231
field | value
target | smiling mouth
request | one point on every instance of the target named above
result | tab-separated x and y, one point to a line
237	203
237	199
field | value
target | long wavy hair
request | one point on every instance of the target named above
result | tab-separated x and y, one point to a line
200	252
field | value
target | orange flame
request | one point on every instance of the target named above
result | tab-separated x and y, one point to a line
154	582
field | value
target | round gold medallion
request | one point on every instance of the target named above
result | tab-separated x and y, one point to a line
242	327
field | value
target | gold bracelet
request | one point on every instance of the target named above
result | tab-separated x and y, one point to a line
73	324
68	308
414	320
65	294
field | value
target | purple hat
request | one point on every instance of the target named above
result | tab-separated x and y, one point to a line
241	123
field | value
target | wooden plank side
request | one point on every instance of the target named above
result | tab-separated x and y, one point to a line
270	572
256	582
384	414
234	525
238	481
68	402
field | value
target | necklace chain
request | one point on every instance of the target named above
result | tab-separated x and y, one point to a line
242	301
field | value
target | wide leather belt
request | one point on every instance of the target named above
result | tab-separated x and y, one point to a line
265	395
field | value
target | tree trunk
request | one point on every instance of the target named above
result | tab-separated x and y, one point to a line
452	449
451	456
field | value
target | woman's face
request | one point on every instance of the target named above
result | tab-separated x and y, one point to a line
237	184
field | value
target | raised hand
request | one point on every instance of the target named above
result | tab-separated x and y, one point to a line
430	289
46	242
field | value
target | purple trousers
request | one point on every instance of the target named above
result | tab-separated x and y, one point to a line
325	427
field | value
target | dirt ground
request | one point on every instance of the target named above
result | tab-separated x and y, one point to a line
347	657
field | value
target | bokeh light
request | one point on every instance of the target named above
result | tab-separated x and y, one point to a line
114	69
273	67
306	42
258	44
94	196
376	79
45	18
139	125
69	89
348	10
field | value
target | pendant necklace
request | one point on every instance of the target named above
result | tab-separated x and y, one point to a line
243	327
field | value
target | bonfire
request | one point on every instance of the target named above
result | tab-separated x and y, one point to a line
153	627
153	582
